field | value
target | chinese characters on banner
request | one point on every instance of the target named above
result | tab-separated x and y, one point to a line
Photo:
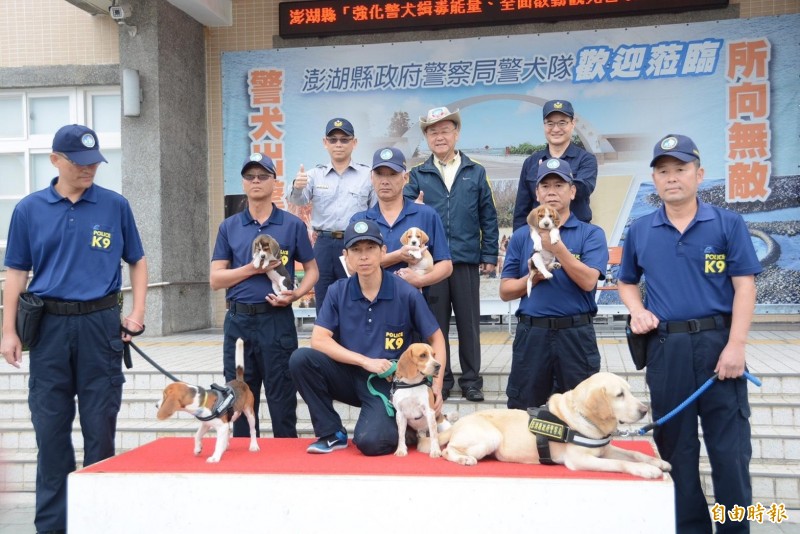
265	88
748	130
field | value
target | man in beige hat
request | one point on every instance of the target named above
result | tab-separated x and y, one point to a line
457	188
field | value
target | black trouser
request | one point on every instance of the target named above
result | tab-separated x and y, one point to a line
460	294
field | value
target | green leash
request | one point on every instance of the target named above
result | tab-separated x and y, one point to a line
386	402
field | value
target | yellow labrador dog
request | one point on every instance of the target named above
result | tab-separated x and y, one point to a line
593	409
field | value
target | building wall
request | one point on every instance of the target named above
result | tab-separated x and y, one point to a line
54	32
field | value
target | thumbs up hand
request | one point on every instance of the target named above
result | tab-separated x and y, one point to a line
420	199
301	179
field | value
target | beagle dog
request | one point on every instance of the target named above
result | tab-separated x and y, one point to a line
587	415
213	407
415	237
543	261
266	250
413	398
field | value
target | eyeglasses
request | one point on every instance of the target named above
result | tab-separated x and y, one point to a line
77	164
561	124
437	133
261	177
339	140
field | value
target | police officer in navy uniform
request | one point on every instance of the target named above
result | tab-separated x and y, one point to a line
555	339
699	267
395	214
73	235
335	191
256	314
366	321
559	125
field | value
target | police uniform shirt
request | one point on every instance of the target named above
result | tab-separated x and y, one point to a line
412	214
558	296
584	170
235	241
688	276
74	250
334	199
379	329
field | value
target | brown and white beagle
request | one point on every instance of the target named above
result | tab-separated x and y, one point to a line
415	237
543	261
206	405
265	251
413	398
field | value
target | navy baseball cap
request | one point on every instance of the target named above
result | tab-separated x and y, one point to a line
362	231
555	166
79	144
261	160
389	157
561	106
677	146
339	124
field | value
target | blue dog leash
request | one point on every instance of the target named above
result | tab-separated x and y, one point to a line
647	428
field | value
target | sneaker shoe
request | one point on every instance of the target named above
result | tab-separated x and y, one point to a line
331	443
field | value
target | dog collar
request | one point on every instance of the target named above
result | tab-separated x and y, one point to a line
547	427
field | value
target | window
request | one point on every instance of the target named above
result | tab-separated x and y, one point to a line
31	118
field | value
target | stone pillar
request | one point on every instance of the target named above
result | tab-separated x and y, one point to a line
164	162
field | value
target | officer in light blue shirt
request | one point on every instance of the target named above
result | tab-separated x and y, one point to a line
335	192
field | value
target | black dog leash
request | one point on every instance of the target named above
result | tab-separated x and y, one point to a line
126	354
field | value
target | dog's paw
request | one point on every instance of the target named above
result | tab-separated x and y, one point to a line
401	451
254	447
547	275
198	450
435	453
212	460
556	265
645	471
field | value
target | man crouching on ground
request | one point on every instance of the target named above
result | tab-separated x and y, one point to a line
366	321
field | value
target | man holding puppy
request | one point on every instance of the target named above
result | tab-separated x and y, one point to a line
366	321
699	266
395	214
263	319
555	339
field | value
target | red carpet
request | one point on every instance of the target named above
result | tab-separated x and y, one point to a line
288	456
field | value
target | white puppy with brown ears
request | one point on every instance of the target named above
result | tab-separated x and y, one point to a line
543	261
413	398
266	250
416	237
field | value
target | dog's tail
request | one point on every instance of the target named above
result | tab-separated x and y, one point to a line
240	359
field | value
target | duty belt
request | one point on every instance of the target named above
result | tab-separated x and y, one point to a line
336	234
556	323
249	309
692	326
66	307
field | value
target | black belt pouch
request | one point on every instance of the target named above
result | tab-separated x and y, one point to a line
29	318
637	345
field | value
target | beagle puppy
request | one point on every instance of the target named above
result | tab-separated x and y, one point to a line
593	409
201	403
413	398
415	237
545	218
266	250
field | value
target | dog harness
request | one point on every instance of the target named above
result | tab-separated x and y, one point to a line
547	427
396	384
224	403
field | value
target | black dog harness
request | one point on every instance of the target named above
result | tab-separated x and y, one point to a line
547	427
396	384
224	403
